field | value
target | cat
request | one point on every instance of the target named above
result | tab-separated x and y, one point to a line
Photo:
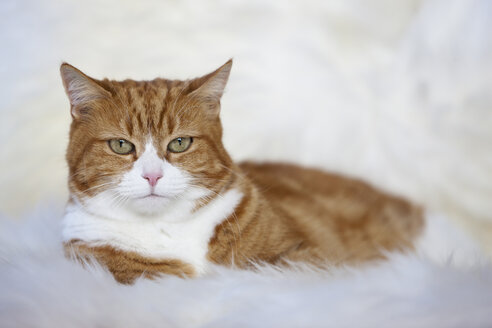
153	190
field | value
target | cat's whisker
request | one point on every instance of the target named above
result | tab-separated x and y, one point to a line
208	179
240	175
113	199
99	186
120	201
101	175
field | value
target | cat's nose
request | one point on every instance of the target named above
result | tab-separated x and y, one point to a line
152	177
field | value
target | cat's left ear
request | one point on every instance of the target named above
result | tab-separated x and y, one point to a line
211	86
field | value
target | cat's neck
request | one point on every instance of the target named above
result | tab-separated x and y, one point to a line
157	236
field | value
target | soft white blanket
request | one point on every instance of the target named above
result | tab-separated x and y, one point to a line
40	288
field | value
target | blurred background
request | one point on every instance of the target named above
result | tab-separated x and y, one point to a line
396	92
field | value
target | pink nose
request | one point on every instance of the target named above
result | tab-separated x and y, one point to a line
152	177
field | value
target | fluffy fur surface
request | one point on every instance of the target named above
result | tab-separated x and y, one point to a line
40	288
399	92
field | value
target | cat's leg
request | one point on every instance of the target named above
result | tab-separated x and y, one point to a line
126	267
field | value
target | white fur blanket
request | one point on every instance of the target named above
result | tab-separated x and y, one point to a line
40	288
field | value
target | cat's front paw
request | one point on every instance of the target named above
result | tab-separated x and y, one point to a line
126	267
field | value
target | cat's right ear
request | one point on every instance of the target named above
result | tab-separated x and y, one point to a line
81	89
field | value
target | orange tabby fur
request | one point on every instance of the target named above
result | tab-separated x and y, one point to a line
288	213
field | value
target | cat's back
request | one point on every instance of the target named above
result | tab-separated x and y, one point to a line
337	212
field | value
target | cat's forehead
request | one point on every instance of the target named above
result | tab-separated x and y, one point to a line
143	95
157	107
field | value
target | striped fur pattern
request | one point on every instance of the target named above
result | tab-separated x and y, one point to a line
205	209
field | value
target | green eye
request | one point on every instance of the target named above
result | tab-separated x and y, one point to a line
121	146
180	144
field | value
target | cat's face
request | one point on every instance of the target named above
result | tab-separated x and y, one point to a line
145	147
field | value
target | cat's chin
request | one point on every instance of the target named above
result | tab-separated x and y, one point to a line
150	205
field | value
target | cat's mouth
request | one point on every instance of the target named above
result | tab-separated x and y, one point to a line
152	196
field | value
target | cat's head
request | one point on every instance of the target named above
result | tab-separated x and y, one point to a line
145	147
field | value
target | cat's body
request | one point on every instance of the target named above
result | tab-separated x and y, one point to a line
153	190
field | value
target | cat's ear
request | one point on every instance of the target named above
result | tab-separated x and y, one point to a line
211	86
81	89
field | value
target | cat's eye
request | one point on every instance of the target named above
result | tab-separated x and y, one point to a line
180	144
121	146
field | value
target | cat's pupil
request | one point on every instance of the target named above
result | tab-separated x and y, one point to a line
121	143
179	140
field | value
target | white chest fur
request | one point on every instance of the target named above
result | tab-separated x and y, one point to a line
186	240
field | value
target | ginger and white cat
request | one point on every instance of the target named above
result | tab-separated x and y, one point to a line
153	191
